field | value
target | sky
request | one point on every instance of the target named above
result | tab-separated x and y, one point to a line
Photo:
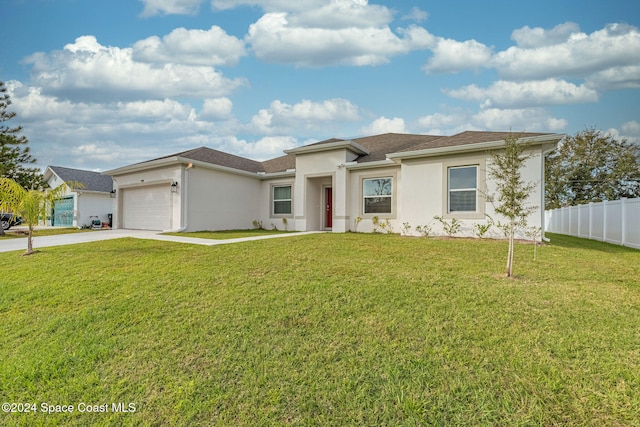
101	84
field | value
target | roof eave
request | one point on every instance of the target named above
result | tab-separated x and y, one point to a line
466	148
83	191
349	145
289	173
370	165
213	166
142	166
177	160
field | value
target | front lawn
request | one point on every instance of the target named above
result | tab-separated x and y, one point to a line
322	329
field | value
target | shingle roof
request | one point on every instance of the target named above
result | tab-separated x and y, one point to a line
468	137
91	181
280	164
209	155
379	146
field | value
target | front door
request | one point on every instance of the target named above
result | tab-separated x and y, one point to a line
328	200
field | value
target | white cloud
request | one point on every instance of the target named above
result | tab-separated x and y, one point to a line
629	131
265	148
446	124
216	109
631	128
102	135
170	7
274	5
385	125
194	47
416	14
530	94
87	70
491	119
519	119
627	77
309	33
308	40
342	14
450	56
580	55
306	115
527	37
32	106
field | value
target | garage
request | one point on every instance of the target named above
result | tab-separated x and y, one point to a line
62	215
147	207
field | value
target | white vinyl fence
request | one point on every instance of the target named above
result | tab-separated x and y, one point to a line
616	222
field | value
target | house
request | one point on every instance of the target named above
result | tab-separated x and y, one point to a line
88	195
338	185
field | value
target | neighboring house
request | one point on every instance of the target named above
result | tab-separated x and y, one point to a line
336	185
89	194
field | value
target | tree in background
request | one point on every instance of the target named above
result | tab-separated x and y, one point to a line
14	153
31	205
591	167
511	191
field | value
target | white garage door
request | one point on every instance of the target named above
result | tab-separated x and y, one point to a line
147	208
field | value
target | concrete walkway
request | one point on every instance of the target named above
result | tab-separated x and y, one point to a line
13	244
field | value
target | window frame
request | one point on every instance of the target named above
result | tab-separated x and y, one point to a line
480	162
274	201
365	197
460	190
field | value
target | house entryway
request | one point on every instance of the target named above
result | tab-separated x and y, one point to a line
328	202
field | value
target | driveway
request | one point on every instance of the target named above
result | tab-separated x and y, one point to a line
8	245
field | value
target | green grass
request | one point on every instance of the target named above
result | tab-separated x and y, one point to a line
228	234
324	329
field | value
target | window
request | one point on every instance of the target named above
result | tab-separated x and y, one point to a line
377	195
282	200
463	188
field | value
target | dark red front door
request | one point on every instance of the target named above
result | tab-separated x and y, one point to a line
328	199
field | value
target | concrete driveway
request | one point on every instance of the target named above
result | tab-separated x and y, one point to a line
8	245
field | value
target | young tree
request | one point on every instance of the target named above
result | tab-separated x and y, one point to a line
14	152
512	191
591	167
31	205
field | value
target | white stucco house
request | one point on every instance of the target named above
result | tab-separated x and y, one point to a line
89	195
337	185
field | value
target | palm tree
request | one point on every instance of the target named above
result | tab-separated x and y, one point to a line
31	205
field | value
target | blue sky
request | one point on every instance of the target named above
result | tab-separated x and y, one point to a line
98	85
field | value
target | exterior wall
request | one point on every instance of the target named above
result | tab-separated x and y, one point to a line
158	176
268	219
424	193
55	182
92	204
362	222
220	200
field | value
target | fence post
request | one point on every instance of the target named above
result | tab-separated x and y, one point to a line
590	220
623	209
604	220
579	219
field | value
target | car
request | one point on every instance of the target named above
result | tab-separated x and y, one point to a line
8	220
